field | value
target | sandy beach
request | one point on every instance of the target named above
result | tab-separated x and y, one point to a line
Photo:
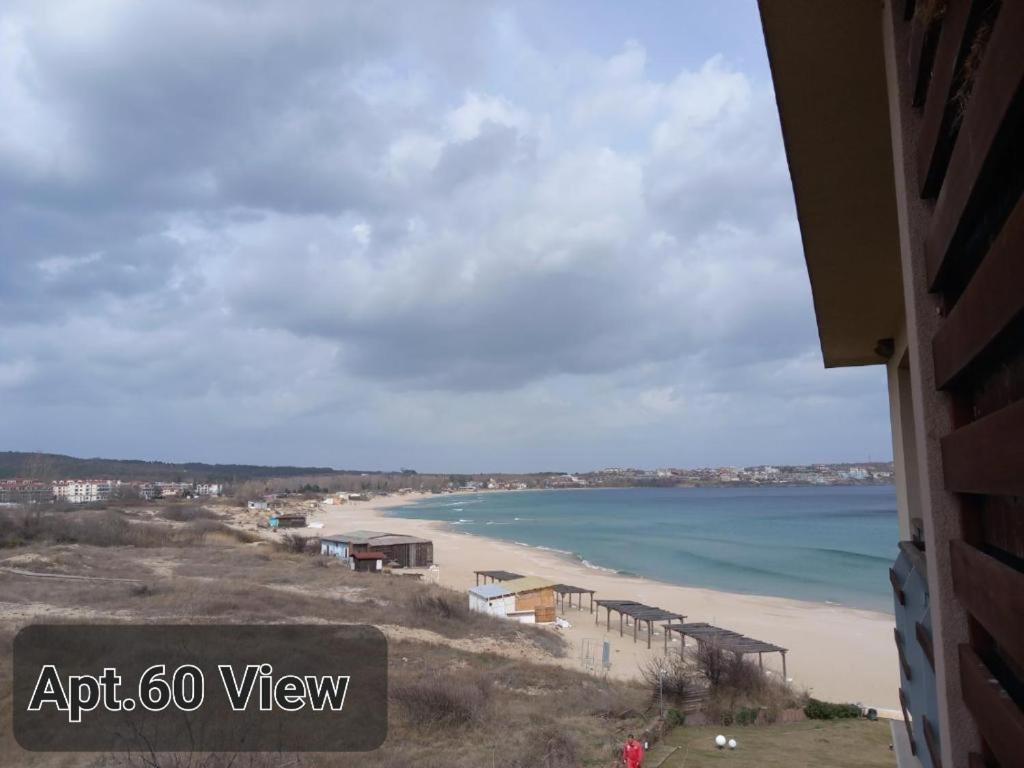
835	653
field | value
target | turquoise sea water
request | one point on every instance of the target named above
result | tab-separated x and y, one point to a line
830	544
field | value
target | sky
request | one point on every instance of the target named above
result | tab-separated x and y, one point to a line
450	236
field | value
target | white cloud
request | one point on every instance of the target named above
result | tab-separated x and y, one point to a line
350	224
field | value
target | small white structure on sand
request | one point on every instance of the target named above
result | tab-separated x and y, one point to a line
719	741
493	599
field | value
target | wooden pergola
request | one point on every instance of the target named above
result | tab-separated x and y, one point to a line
729	641
496	576
628	609
567	590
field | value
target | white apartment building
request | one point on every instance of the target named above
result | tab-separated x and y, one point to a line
208	489
82	491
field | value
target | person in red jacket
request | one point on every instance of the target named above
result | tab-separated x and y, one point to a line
632	753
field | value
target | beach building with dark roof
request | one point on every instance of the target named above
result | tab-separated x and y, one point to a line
903	123
367	560
405	551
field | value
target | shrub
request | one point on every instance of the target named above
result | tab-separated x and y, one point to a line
187	514
438	604
826	710
443	700
551	748
711	662
746	716
674	717
670	676
141	590
292	542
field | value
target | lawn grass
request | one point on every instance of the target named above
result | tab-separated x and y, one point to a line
817	743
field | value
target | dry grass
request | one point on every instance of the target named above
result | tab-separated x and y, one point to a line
499	711
103	528
187	513
846	744
444	700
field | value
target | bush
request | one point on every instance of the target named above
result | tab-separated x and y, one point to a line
746	716
551	748
438	604
674	717
711	662
444	701
292	542
670	676
187	514
826	710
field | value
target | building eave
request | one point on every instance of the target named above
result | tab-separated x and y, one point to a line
828	68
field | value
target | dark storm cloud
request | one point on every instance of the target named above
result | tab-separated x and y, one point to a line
370	215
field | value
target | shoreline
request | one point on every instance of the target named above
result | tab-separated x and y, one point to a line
836	652
575	558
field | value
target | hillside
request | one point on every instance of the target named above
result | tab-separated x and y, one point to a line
48	466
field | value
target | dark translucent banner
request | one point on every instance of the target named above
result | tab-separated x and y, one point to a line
225	688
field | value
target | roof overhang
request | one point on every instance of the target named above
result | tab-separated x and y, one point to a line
828	66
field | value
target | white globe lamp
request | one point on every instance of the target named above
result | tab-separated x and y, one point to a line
732	743
719	741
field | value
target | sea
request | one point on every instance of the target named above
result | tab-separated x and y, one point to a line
829	544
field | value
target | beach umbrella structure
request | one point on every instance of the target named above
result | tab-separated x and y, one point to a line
567	590
638	612
728	640
496	576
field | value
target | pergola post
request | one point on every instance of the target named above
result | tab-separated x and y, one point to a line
650	631
591	602
620	623
785	676
760	660
635	622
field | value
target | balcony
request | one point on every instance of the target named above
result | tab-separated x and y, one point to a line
913	635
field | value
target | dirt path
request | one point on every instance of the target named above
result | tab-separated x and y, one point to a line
71	576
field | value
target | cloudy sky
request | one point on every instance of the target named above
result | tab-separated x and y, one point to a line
450	236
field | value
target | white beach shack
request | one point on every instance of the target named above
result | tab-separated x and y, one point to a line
529	600
495	599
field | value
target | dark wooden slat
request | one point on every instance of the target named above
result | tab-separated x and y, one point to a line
954	25
905	706
931	741
1000	721
924	639
974	760
916	555
918	36
993	300
987	455
998	79
897	588
993	593
907	671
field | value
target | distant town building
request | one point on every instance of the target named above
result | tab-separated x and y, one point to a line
83	491
21	491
